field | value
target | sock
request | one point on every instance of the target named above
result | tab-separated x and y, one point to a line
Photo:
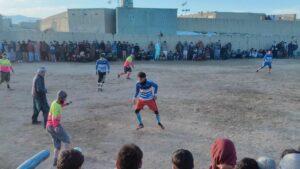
139	118
157	118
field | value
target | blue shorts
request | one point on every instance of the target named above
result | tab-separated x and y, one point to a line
269	64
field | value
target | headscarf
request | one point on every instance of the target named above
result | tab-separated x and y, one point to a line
222	151
266	163
290	161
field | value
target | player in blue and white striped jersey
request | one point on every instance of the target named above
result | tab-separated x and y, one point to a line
102	67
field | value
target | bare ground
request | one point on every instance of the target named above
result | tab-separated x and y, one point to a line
198	103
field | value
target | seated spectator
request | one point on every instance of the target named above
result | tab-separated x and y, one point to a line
266	163
70	159
288	151
290	161
223	154
182	159
247	163
129	157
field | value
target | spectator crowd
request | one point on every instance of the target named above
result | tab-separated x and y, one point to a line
222	156
85	51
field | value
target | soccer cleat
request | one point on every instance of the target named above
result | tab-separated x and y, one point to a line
140	126
161	126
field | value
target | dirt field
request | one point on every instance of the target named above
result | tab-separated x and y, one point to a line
198	102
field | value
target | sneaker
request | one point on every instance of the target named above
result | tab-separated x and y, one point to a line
161	126
140	127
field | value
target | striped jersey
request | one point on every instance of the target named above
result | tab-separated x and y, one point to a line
54	116
145	90
102	65
268	58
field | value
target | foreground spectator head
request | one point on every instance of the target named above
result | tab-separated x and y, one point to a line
290	161
223	154
70	159
288	151
182	159
129	157
247	163
266	163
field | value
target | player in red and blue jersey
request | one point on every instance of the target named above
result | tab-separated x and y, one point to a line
145	96
268	58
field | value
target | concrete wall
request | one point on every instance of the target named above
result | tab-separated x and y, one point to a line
146	21
99	20
264	27
240	16
57	23
238	41
1	23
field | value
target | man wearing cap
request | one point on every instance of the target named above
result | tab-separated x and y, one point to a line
39	92
5	69
54	127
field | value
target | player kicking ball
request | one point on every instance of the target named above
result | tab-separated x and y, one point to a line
145	96
267	61
102	68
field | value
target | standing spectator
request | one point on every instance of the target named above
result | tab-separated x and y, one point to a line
247	163
151	50
129	157
24	51
223	154
136	52
185	50
157	51
217	50
164	48
124	50
37	53
114	49
52	53
179	50
19	52
182	159
39	92
30	49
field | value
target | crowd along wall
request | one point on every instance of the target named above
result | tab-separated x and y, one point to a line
243	42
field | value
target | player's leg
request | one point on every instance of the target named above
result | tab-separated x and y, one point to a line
139	119
153	106
123	73
129	73
7	79
264	65
270	67
138	107
45	109
99	80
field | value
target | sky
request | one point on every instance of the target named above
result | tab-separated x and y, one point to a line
44	8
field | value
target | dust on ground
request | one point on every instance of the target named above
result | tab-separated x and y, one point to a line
198	102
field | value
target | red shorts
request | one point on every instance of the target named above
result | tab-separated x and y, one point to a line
150	103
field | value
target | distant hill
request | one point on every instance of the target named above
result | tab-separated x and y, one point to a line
20	18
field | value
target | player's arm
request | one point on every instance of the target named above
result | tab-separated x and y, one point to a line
155	86
108	66
97	63
137	91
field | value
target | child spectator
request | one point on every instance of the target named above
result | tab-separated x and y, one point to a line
182	159
223	154
247	163
70	159
129	157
